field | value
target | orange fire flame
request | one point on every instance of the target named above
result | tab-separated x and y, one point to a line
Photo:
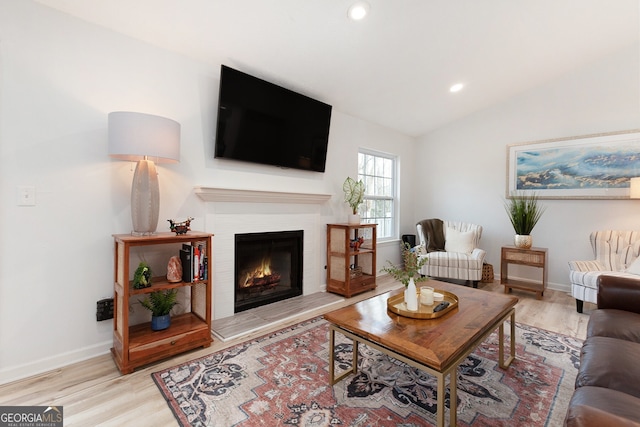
263	270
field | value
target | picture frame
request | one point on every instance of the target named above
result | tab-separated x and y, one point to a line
597	166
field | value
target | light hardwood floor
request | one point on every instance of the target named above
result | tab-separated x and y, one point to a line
94	393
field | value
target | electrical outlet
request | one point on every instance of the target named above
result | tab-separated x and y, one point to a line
26	195
104	309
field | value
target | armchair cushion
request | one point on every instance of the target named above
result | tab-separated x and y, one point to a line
459	241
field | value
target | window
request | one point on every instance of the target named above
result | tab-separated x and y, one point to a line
378	172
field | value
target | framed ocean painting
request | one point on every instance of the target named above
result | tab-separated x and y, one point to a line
585	167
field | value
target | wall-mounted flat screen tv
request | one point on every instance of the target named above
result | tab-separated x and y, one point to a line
261	122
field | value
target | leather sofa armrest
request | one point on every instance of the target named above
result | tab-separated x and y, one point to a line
588	416
586	266
620	293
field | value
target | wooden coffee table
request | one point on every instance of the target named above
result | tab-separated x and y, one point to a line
436	346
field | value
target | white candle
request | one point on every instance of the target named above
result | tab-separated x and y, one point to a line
426	295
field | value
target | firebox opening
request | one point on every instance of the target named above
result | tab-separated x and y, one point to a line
268	268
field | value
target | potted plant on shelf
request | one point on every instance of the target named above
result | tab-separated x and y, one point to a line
160	304
354	196
524	213
409	274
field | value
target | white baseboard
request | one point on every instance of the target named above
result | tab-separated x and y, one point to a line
47	364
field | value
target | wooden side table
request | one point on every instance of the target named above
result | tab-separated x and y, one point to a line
533	257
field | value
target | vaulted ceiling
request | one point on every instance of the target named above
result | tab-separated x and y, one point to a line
395	66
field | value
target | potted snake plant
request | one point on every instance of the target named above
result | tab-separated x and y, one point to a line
524	213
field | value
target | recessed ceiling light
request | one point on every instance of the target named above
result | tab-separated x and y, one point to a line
358	10
456	87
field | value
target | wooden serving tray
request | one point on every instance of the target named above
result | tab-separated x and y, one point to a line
396	305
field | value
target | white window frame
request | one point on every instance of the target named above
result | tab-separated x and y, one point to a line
394	226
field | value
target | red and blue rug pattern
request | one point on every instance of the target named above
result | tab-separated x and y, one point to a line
282	379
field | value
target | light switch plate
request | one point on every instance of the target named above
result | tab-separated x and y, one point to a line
26	195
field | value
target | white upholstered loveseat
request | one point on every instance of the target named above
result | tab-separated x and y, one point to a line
451	249
616	254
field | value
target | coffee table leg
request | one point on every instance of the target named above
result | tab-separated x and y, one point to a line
332	339
512	354
453	396
354	368
440	401
356	352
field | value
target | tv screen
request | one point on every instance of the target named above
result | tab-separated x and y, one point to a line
261	122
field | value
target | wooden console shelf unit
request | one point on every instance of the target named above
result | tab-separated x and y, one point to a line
137	345
533	257
351	271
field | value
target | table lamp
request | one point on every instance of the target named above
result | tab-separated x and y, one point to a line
634	188
144	138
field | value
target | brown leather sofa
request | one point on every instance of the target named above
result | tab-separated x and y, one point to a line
608	383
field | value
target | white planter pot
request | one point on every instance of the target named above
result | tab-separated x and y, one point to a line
353	219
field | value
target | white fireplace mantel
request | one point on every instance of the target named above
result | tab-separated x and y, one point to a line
214	194
229	211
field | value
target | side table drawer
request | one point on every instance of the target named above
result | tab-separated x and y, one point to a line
530	258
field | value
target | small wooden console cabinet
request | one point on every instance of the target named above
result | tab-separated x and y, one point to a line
533	257
351	258
137	345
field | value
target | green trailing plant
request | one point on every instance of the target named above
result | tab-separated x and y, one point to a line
142	276
524	212
353	193
160	303
412	263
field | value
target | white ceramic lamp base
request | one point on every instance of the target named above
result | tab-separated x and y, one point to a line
145	198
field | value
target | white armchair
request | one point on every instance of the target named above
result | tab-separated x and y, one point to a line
451	249
616	254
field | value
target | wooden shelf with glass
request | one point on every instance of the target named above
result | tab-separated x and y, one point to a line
135	345
351	266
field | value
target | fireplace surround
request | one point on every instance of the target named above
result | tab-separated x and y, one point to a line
230	211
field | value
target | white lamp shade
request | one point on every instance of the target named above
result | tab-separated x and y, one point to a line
634	188
134	136
144	138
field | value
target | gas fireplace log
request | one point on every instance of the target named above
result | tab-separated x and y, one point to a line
269	281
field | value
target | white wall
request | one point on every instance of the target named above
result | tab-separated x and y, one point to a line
464	163
59	78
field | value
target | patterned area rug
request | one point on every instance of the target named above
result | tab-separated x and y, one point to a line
282	379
